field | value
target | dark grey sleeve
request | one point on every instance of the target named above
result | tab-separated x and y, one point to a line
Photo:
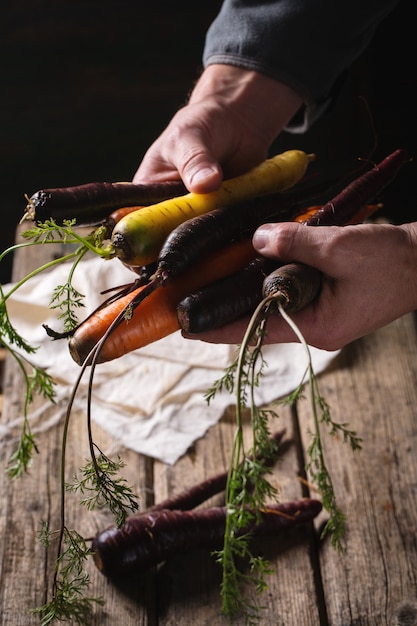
306	44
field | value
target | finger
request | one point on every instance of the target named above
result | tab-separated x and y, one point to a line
233	333
200	173
295	242
183	150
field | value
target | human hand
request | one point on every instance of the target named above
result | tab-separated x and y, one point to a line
369	280
232	117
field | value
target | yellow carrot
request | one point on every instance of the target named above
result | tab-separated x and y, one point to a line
138	237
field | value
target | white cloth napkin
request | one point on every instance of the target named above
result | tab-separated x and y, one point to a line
151	400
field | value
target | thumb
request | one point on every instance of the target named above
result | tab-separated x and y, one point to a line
191	152
200	173
291	241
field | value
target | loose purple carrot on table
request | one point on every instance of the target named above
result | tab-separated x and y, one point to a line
147	539
93	202
193	496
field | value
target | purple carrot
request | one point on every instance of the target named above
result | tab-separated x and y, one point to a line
200	236
148	539
192	497
360	192
226	299
92	202
296	284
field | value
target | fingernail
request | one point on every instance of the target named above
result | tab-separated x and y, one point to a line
203	175
261	236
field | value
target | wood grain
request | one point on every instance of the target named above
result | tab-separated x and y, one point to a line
372	386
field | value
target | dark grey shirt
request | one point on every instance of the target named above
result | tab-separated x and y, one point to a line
306	44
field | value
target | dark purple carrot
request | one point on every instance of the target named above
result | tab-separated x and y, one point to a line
296	284
235	296
202	235
231	297
192	497
92	202
360	192
226	299
148	539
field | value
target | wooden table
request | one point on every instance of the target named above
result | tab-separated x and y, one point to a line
372	385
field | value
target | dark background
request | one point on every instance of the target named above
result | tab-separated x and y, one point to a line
86	86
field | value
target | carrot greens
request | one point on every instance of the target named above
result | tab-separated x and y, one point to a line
99	489
71	580
316	464
243	504
103	487
37	381
66	297
100	483
242	378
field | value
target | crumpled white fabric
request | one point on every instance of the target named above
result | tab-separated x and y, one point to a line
151	400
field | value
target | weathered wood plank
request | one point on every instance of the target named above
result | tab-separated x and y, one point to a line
373	388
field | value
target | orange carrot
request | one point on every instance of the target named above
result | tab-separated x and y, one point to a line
364	213
156	317
115	217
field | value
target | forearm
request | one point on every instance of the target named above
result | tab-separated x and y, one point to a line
306	45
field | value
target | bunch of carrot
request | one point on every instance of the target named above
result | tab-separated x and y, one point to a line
191	249
188	253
